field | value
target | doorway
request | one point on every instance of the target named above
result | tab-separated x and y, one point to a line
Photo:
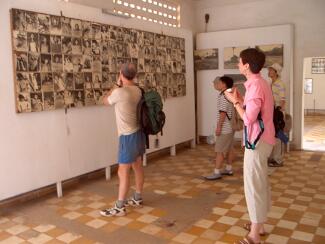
314	104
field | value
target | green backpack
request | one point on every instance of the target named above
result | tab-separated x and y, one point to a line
150	115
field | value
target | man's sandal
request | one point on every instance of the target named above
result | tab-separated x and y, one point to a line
247	226
246	240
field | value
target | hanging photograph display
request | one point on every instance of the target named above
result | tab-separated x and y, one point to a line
206	59
61	62
273	54
231	57
318	65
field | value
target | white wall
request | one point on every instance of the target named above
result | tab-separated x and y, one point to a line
309	33
39	149
316	100
206	95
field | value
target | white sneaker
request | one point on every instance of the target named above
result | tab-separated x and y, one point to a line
214	176
134	203
226	172
114	211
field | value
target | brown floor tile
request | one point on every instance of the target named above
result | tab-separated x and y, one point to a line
195	230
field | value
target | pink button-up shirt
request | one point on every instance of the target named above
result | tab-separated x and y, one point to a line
258	97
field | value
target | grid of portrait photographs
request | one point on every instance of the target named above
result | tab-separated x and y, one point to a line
60	62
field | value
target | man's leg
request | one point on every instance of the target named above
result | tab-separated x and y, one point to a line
218	164
139	175
119	208
124	181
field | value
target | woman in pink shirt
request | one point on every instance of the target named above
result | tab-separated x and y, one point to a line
256	110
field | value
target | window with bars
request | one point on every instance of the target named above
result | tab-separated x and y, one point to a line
158	11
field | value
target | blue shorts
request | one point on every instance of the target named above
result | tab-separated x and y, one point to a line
131	147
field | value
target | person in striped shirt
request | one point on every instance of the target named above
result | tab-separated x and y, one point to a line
278	90
224	132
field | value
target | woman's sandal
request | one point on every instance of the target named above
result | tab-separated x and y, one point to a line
247	226
247	240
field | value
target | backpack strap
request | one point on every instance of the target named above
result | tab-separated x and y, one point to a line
249	145
223	93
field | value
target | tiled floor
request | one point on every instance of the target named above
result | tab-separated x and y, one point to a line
180	207
314	132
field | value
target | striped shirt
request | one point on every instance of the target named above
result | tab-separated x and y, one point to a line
278	90
223	105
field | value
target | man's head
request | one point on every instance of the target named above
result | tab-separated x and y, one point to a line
274	71
128	71
222	83
251	60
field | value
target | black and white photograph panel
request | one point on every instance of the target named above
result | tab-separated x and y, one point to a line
33	42
48	101
96	31
66	26
18	20
46	61
77	63
112	32
43	23
119	63
47	82
55	26
69	79
22	82
56	44
133	50
57	64
45	43
67	63
97	80
33	62
68	99
23	103
31	22
126	35
58	81
89	97
133	36
76	45
119	34
79	98
86	30
149	38
231	57
160	40
206	59
21	61
273	54
36	100
20	40
112	49
87	61
88	77
112	65
78	79
76	27
66	45
182	43
98	95
104	47
97	63
59	100
96	47
35	81
86	48
105	60
105	32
